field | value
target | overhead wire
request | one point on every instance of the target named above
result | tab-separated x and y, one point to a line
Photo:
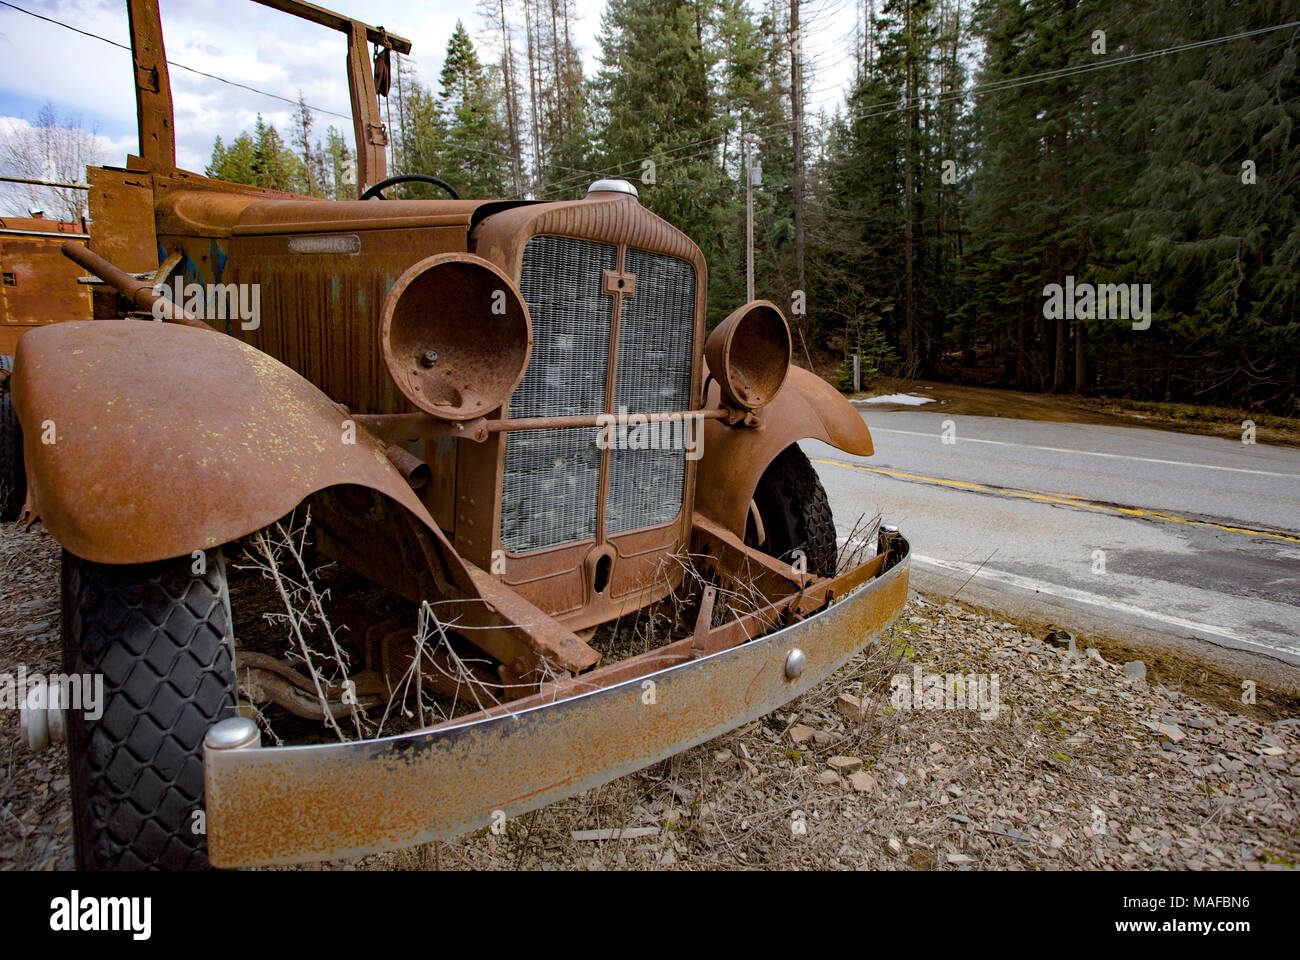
234	83
886	107
868	112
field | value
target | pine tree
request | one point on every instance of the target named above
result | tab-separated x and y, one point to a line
338	161
475	152
656	112
495	16
302	127
1212	217
858	265
234	163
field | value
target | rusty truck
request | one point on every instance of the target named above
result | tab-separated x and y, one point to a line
448	385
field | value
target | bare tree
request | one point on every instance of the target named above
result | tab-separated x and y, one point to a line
534	55
49	149
494	13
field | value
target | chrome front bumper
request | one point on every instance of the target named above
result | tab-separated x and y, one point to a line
274	805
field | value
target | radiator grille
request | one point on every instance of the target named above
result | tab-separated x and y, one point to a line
561	285
655	340
552	477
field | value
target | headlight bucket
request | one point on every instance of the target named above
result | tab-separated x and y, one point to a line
455	335
749	354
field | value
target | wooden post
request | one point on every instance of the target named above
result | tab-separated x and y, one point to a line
153	92
371	134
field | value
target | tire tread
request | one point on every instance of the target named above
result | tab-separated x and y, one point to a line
155	632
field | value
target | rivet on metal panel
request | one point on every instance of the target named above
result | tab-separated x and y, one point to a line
794	663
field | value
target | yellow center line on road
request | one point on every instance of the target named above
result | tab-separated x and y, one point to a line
1066	499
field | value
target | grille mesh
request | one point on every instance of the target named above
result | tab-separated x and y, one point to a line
551	482
552	477
655	341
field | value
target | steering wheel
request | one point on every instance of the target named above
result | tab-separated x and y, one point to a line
378	189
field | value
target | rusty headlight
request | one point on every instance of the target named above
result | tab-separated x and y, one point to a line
455	335
749	354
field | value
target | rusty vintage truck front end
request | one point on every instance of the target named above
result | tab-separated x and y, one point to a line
471	397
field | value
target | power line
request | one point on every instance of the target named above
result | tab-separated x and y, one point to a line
233	83
201	73
885	108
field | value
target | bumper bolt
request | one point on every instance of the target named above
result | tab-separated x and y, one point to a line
794	663
234	733
40	716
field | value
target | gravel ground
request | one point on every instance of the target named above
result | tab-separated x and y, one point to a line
1073	765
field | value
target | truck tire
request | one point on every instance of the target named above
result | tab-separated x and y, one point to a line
161	637
795	513
13	475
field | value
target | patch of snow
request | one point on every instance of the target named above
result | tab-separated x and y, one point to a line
903	398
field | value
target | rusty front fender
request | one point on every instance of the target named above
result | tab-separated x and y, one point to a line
734	458
152	440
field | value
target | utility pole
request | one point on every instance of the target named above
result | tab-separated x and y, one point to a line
796	117
909	200
749	218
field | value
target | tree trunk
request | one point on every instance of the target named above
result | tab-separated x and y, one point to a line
560	112
532	97
512	104
1080	359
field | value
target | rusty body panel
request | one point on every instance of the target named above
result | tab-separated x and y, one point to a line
324	269
37	284
734	460
241	440
123	201
297	804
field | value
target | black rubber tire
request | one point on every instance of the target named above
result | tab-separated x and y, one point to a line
795	512
161	637
13	475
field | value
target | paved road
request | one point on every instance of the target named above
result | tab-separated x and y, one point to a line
1198	536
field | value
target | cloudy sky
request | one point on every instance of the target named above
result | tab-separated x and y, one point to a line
89	81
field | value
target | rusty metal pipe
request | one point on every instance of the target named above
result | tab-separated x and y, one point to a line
263	685
139	292
415	470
